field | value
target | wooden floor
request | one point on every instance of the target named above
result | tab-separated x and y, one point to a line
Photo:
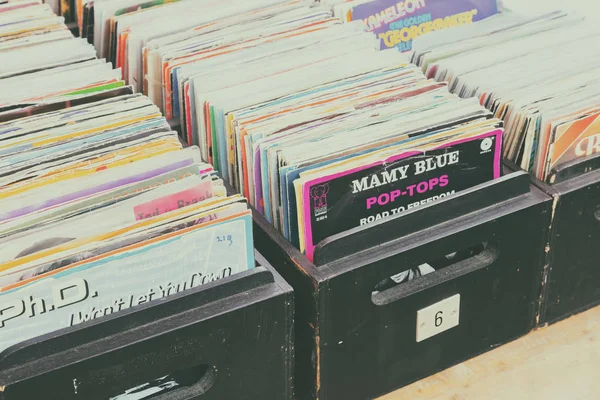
560	362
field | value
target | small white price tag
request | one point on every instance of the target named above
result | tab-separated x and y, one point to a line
438	317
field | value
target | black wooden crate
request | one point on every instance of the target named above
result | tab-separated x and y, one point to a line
230	339
351	345
572	275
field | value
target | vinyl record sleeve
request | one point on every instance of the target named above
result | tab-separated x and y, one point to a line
340	202
576	139
128	277
398	23
59	104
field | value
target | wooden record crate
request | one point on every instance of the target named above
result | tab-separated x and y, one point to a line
229	339
352	344
572	272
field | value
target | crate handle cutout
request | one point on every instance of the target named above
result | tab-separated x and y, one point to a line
181	385
425	275
597	214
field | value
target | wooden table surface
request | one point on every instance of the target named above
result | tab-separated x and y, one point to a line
560	362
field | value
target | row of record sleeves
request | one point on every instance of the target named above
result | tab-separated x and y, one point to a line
317	136
296	105
97	189
289	133
102	209
280	132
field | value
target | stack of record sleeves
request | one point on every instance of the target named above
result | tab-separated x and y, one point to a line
550	105
101	209
301	111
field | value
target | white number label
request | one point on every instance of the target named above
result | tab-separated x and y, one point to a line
438	318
